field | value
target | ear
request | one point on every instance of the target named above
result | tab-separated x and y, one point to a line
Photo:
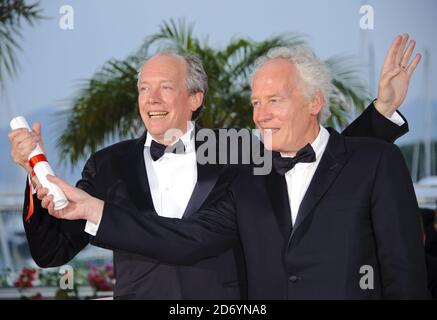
317	103
196	101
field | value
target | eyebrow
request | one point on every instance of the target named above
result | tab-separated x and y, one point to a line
162	81
269	96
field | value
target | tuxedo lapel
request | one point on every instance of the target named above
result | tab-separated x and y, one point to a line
277	191
136	175
333	160
207	176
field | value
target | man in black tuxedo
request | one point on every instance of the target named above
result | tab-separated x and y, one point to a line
168	182
118	174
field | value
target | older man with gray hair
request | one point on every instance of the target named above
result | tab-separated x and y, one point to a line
335	219
161	174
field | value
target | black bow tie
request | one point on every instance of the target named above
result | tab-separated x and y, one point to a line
157	150
282	165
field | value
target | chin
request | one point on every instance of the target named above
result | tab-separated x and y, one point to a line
155	130
268	146
272	145
275	149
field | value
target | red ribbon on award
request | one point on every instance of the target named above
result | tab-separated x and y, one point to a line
35	159
32	162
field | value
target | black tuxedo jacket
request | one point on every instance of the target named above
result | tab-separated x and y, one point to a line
54	242
357	233
119	170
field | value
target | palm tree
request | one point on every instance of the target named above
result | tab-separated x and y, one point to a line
12	14
106	106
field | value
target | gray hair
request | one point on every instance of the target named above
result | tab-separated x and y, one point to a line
196	80
313	72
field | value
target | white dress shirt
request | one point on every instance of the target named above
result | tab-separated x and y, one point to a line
396	118
298	179
172	179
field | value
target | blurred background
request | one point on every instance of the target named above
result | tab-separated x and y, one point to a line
72	66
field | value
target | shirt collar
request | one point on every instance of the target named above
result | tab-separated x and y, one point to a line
187	138
318	145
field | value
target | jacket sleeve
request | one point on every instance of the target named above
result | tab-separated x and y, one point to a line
431	240
212	230
396	223
373	124
54	242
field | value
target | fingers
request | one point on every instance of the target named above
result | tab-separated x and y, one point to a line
401	48
46	201
22	143
389	62
59	182
13	133
18	135
409	69
27	144
398	56
41	192
51	210
413	64
72	193
407	55
55	180
37	128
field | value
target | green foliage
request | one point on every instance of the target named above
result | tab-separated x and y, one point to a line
12	14
105	107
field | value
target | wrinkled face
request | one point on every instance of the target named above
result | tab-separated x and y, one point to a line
163	99
280	110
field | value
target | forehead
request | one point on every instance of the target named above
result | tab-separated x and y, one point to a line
164	66
275	74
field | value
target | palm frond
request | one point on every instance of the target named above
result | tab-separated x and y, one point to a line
176	35
106	106
349	93
12	14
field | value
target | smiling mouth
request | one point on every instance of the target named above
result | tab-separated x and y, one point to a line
270	130
157	114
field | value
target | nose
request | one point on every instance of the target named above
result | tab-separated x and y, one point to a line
154	96
263	113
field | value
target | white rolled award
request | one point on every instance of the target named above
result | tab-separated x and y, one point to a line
41	167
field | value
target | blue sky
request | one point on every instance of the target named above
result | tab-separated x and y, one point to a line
53	60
